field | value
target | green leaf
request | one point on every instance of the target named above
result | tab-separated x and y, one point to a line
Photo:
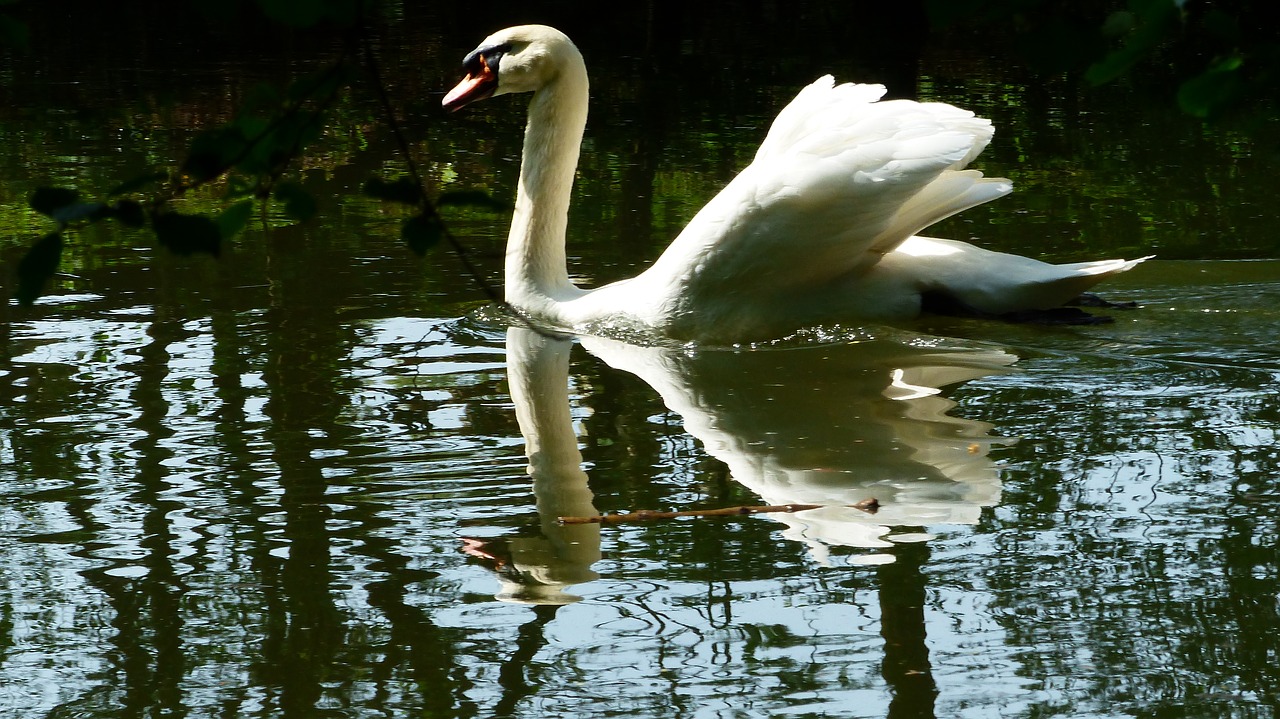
263	98
402	190
212	152
48	200
187	234
293	132
254	154
421	233
1146	25
249	125
37	266
138	183
298	203
268	145
1212	90
129	213
472	198
234	218
241	186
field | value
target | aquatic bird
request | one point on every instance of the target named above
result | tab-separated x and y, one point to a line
820	228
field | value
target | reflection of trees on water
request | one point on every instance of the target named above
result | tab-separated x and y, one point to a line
205	517
218	539
1138	564
226	558
906	668
830	426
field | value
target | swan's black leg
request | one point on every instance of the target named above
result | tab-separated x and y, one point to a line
936	302
1089	299
1056	316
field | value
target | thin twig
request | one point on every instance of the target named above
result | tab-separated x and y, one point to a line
870	506
290	110
385	100
427	207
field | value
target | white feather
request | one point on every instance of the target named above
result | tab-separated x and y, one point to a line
819	228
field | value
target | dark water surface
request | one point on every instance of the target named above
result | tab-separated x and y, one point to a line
292	482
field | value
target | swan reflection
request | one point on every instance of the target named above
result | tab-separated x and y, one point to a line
830	425
539	569
834	425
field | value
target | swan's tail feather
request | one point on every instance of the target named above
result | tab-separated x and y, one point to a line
1058	285
1106	268
995	283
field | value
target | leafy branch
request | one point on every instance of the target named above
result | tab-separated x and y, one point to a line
1224	55
252	160
425	229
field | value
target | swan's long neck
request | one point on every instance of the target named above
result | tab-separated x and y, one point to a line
536	275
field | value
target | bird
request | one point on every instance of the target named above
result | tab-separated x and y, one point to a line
819	229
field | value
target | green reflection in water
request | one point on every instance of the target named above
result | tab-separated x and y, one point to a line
266	487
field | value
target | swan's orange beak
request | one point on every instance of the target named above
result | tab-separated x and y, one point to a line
477	85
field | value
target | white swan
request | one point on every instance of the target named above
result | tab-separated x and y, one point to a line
818	229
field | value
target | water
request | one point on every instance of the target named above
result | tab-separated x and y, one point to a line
293	481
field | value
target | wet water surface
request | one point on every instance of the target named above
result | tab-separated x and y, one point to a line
317	477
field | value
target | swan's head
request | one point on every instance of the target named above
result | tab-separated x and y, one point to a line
524	58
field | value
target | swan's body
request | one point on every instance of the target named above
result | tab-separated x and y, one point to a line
820	228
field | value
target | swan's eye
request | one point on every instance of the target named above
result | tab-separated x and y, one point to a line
485	58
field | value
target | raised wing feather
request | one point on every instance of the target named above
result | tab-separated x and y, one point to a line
840	179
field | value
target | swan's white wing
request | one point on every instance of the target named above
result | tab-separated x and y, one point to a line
840	179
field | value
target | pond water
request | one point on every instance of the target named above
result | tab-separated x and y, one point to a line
320	477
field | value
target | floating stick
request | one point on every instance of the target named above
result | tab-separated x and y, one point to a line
870	506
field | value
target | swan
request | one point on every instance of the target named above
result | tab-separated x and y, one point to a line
818	229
